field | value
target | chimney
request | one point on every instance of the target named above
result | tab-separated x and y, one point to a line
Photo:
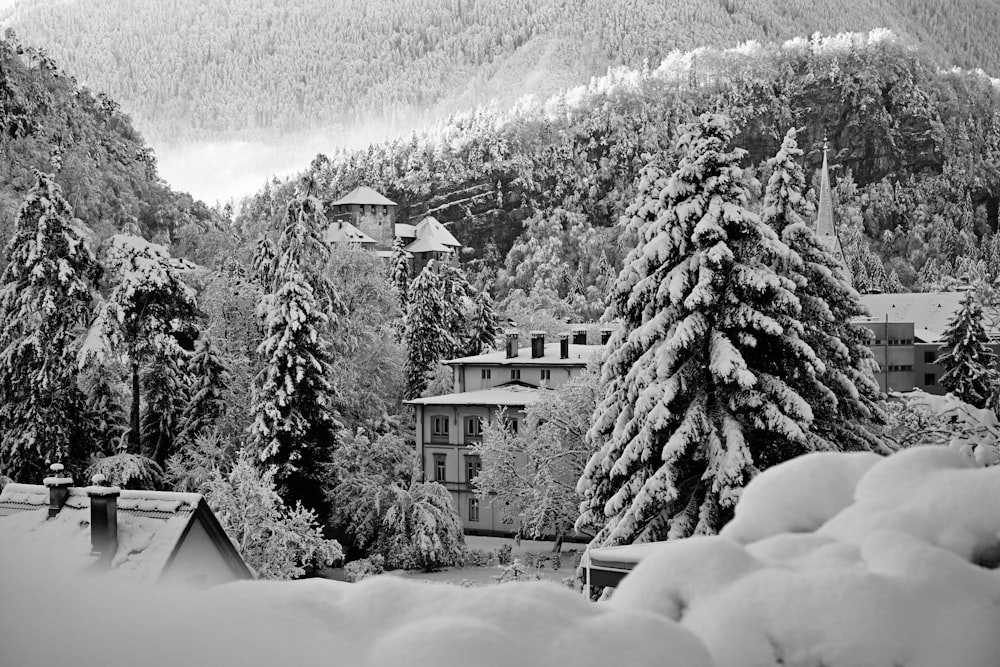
564	345
103	519
606	334
511	343
537	344
579	335
58	485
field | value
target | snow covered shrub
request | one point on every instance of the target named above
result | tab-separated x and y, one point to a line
278	542
419	527
4	481
478	557
556	561
129	471
920	418
363	568
516	571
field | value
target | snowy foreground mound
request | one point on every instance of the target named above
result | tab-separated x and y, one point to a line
840	560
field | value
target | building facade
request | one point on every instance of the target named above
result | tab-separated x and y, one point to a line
485	386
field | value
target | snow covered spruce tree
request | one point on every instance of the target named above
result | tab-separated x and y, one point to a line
485	325
294	399
149	310
970	365
844	396
46	292
424	332
696	394
399	272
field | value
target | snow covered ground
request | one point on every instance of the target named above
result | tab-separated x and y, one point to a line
841	560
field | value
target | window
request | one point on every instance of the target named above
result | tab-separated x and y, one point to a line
473	509
439	467
486	373
929	357
473	466
515	374
929	379
385	210
439	426
473	426
546	374
900	368
513	426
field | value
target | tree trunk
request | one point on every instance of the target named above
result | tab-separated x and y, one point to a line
557	547
133	434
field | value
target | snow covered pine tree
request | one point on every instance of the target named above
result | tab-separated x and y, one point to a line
696	394
45	296
970	365
844	396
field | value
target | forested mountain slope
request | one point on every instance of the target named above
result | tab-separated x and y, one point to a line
537	192
107	173
196	69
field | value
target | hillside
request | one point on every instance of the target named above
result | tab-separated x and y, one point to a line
106	171
914	153
221	69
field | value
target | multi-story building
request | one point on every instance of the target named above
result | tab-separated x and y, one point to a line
368	211
503	382
909	330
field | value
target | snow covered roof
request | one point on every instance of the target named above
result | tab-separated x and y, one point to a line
579	355
922	335
430	228
152	526
511	394
406	231
343	231
930	311
427	244
363	195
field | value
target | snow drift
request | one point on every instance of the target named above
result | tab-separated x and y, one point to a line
832	559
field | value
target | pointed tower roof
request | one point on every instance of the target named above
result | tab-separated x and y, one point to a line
826	229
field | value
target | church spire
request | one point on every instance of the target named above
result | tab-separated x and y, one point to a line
826	230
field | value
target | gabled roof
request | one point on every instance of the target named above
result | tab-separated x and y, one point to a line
430	228
363	195
342	231
427	245
579	355
152	526
510	394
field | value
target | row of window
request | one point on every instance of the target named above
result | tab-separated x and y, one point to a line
899	368
473	426
515	373
894	341
473	466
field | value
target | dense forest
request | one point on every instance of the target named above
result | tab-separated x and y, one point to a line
104	167
914	153
189	69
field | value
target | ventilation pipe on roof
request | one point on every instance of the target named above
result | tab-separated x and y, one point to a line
564	345
58	485
511	344
103	519
579	335
537	344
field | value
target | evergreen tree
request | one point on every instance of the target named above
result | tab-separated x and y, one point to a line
209	376
696	395
105	405
485	325
399	271
970	365
45	301
844	396
165	398
456	307
294	399
424	332
150	309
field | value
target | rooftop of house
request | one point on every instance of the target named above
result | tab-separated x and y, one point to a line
427	245
406	231
430	228
930	312
342	230
151	527
510	394
579	355
363	195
